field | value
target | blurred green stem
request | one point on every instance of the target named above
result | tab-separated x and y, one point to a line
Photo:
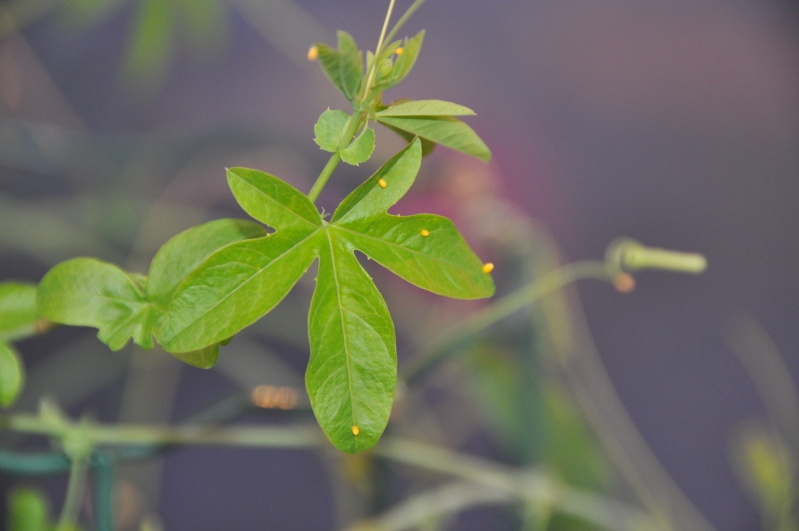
75	488
403	19
378	49
529	485
441	346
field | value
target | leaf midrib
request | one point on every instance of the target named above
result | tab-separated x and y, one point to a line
341	319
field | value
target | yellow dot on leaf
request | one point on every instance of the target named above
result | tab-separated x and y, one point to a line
425	233
488	267
382	183
313	53
355	430
399	51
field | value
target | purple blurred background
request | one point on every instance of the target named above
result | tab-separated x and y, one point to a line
675	123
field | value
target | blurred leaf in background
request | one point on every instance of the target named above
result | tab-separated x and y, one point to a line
157	29
767	470
28	510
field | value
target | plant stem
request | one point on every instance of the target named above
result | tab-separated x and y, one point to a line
404	18
136	434
75	488
524	296
327	171
528	485
378	49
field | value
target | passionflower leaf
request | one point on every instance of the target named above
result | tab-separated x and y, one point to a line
351	373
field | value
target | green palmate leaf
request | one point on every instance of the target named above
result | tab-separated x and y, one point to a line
89	292
360	150
12	375
425	108
445	130
18	313
344	66
330	129
352	371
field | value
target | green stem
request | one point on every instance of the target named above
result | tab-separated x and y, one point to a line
373	68
75	488
321	181
528	485
403	19
440	347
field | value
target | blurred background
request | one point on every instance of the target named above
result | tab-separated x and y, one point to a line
675	123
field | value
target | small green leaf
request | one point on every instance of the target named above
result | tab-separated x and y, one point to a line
352	371
370	198
151	45
183	253
18	313
351	64
425	250
445	130
28	510
405	61
426	108
204	358
330	129
273	201
12	375
344	66
360	149
89	292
